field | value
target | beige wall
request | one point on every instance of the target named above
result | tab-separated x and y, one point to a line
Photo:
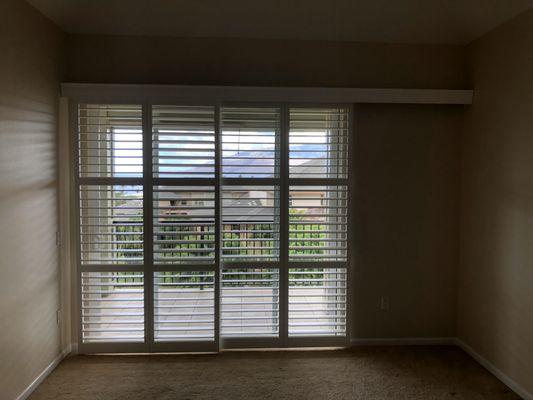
29	283
121	59
406	210
496	262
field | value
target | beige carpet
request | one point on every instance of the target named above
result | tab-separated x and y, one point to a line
363	373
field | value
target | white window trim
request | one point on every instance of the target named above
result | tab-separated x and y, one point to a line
112	93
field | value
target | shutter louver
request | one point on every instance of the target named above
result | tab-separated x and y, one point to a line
317	302
250	223
183	141
184	225
318	223
250	302
250	142
318	143
110	140
184	306
112	307
111	225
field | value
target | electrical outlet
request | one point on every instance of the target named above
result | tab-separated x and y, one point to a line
58	317
385	303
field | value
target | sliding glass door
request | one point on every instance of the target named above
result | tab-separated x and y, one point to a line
204	226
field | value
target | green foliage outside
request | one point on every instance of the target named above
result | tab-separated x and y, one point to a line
263	240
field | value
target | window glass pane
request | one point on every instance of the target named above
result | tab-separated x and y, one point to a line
184	224
317	302
111	224
318	142
250	142
250	302
112	307
183	141
318	223
184	306
110	140
250	223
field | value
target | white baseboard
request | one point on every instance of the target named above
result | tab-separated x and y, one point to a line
512	384
417	341
43	375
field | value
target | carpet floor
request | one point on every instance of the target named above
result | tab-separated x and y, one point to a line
414	372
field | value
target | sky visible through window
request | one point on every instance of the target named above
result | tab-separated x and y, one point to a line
128	153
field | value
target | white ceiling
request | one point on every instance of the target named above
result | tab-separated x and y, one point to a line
393	21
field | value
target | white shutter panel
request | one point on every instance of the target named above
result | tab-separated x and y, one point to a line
183	141
317	302
250	223
250	142
184	306
250	302
109	140
112	307
184	225
318	142
111	225
318	219
250	226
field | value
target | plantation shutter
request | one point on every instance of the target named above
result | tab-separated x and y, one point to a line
111	223
183	142
250	233
208	226
318	221
184	226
